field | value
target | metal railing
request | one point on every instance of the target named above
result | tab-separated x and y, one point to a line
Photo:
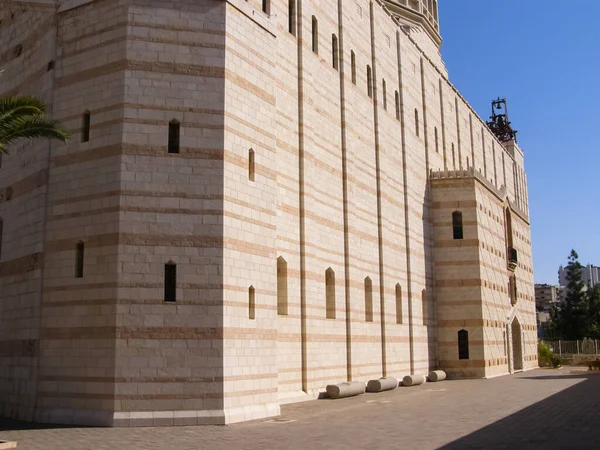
566	348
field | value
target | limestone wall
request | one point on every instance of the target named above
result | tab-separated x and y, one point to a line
27	46
285	152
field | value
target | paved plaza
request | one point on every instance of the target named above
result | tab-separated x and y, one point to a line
549	409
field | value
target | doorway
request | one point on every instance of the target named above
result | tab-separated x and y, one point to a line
517	345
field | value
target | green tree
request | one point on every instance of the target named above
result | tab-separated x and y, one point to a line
593	300
573	315
23	117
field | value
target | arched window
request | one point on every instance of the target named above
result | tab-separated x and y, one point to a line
353	66
334	51
457	225
383	88
330	293
282	288
79	251
174	130
251	303
425	306
437	142
251	165
368	300
315	35
463	344
170	282
398	303
417	122
85	126
292	16
468	162
369	82
397	98
266	6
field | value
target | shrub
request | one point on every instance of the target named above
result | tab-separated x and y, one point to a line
547	358
544	354
556	361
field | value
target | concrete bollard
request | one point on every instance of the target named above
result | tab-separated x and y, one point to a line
413	380
343	390
436	375
383	384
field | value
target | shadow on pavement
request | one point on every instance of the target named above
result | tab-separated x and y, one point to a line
14	425
569	419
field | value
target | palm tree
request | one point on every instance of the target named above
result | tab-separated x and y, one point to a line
23	117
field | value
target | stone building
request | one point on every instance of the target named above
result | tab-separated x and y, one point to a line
260	198
546	296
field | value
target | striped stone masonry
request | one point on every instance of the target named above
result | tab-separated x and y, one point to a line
260	199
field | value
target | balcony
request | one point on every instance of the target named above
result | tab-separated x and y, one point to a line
513	259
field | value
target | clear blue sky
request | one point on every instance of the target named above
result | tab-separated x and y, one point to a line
545	59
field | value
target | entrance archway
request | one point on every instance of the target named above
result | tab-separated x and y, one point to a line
517	345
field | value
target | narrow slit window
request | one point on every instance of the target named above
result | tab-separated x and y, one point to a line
79	251
251	303
251	165
468	162
85	126
463	344
437	142
315	35
353	66
369	82
282	287
292	17
512	289
266	6
425	306
508	230
457	225
384	89
398	303
170	282
330	293
174	132
417	122
368	300
397	98
334	51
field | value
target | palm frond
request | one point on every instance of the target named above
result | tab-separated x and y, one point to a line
20	106
31	127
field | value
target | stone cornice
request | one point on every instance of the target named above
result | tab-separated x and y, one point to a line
415	18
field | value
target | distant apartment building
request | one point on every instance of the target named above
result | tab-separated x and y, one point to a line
590	275
546	296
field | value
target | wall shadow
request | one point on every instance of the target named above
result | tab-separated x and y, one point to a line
19	425
569	419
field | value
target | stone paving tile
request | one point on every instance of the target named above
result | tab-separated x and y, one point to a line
550	409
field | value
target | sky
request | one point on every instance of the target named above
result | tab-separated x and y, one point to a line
545	60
